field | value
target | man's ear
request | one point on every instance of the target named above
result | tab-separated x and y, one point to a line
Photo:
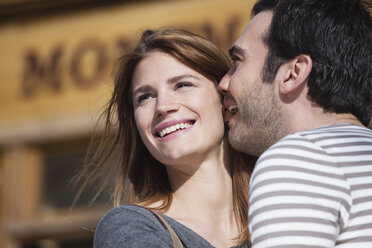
296	74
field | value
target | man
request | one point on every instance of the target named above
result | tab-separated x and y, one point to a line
299	96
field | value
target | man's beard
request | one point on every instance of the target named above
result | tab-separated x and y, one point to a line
260	124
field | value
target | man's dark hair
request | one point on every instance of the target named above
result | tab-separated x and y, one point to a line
263	5
337	35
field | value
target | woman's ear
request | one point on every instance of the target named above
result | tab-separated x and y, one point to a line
296	74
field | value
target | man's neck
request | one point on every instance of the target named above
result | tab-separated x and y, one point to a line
310	122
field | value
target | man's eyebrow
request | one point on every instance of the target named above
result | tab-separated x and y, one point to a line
180	77
235	50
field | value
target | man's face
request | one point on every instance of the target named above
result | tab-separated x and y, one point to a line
253	111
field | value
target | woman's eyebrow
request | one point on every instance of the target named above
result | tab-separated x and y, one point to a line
146	88
180	77
143	88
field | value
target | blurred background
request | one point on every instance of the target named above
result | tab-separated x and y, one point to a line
56	59
55	77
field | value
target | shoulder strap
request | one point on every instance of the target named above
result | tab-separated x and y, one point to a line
175	239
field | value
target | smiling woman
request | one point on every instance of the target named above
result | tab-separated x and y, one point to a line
176	95
169	154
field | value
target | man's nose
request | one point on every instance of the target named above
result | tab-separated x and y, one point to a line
223	86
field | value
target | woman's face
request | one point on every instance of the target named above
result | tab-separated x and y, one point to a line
178	112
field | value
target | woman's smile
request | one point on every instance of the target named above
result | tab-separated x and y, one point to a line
171	127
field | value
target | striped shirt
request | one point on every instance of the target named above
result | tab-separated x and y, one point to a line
314	189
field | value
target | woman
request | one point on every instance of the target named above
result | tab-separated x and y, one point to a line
169	153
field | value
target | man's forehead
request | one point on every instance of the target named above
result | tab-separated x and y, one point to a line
255	29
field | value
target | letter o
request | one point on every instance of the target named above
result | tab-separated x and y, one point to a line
84	48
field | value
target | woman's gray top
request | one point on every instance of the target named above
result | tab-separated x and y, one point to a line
134	226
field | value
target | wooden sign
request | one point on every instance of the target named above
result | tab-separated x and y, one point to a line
55	73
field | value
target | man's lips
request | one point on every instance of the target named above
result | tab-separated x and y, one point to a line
228	115
231	108
230	104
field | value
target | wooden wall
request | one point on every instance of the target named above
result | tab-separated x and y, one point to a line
55	77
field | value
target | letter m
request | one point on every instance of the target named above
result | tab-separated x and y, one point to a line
37	73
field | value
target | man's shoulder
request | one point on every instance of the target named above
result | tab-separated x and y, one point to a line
316	141
300	151
316	150
293	145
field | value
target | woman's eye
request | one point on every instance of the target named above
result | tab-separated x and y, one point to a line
183	84
143	97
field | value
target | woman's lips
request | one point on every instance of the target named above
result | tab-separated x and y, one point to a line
172	126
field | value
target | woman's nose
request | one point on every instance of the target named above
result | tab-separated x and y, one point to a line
166	104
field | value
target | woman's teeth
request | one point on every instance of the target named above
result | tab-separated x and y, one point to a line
174	128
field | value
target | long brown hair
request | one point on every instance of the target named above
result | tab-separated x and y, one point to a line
121	157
